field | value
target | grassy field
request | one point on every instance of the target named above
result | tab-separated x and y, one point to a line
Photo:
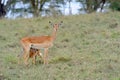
87	47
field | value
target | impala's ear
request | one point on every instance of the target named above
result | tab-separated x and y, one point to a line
60	23
51	23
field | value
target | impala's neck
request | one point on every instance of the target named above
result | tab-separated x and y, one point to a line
54	34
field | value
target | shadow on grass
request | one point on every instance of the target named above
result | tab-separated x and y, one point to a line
60	59
54	60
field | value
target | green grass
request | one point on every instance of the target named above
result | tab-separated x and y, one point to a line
87	47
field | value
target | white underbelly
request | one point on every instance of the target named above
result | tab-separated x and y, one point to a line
43	45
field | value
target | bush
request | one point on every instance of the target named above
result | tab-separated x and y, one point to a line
115	5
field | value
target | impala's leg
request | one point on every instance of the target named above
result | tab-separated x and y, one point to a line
46	56
36	52
40	54
26	47
26	57
34	59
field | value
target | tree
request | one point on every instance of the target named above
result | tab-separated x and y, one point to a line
2	9
54	8
70	10
37	6
11	7
92	5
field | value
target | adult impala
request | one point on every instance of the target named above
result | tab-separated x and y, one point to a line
38	42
